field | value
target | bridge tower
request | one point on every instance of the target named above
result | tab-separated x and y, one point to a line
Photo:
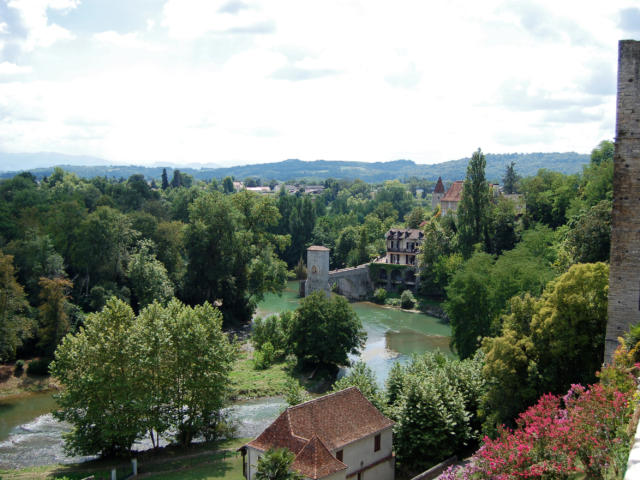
624	273
317	270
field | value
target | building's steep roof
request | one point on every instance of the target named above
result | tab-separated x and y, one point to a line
411	233
315	460
439	186
312	429
338	419
279	435
454	193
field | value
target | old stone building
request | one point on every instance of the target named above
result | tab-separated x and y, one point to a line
403	244
449	202
624	275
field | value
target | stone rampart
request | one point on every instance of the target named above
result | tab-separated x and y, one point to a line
624	275
354	283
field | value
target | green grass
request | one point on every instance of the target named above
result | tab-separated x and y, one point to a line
200	461
246	382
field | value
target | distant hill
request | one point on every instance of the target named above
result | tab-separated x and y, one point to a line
526	164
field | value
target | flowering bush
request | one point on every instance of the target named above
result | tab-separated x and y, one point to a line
584	431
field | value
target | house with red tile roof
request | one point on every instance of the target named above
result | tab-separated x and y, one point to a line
340	436
451	199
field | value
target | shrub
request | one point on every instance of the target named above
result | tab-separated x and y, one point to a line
392	302
274	330
19	368
294	393
585	431
380	295
264	358
39	367
407	300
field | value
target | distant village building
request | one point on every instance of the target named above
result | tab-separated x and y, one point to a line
403	244
335	437
237	186
419	192
437	194
449	202
259	189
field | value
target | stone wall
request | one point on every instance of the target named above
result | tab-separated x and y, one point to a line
624	276
354	283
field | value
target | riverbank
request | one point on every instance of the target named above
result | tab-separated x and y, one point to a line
12	385
203	461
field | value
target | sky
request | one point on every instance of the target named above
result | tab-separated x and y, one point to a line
240	81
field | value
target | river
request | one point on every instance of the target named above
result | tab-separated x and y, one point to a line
29	435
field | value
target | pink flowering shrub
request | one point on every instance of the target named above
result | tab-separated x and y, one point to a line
584	431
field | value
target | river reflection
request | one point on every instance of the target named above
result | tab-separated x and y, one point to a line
392	334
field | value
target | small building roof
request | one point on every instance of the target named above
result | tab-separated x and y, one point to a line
454	193
315	460
313	429
318	248
439	186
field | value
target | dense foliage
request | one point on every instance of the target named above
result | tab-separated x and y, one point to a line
320	318
127	376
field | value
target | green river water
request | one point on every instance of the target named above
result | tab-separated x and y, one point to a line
29	435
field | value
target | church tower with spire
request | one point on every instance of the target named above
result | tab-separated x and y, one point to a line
437	195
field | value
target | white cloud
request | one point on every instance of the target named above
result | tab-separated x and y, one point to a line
4	28
122	40
33	14
198	80
8	68
188	19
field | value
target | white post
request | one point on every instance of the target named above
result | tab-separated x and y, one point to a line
134	466
113	474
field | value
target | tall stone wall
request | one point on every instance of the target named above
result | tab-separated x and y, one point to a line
624	276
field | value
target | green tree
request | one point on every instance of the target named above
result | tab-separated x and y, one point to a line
165	180
15	325
547	343
102	246
231	252
102	383
54	319
415	217
434	405
510	179
589	236
319	318
227	185
469	304
473	210
148	277
503	226
360	375
200	359
603	152
275	464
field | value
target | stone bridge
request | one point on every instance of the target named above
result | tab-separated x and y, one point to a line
354	283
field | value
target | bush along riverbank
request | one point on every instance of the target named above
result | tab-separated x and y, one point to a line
18	379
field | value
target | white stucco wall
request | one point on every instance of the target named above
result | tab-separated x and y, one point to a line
360	454
356	455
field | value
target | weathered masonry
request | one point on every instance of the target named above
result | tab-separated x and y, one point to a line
624	275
